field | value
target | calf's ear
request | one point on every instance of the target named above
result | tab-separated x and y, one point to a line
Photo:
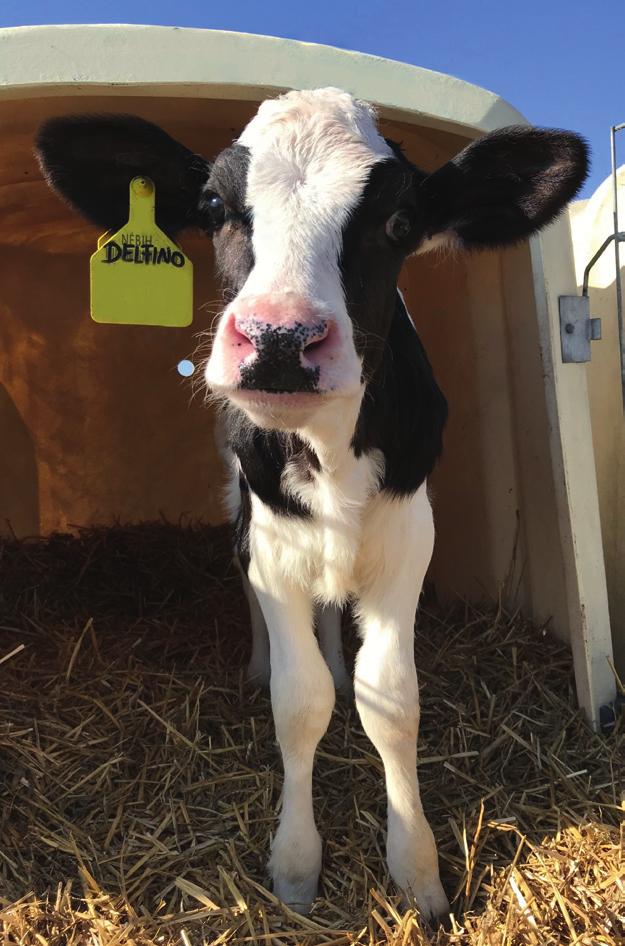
89	160
504	186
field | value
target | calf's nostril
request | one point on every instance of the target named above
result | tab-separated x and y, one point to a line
315	342
315	337
241	337
310	347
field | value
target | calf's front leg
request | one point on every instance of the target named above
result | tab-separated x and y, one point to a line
302	698
328	623
386	688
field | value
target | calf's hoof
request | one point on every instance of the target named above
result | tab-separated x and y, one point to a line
432	902
294	866
298	895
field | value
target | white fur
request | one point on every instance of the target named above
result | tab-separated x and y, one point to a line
302	697
327	621
397	543
319	554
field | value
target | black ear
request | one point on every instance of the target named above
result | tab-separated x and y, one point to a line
89	160
505	186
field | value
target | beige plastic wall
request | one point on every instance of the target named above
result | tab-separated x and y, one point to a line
591	223
96	423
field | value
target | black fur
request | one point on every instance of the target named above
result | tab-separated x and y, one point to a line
505	186
263	455
500	189
241	527
370	263
233	241
283	449
228	178
403	412
91	159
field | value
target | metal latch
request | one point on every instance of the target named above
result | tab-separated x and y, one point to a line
577	328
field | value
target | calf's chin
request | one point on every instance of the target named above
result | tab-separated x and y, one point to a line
292	413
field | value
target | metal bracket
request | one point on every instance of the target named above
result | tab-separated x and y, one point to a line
577	328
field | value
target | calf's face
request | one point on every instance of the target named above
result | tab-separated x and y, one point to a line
302	166
312	213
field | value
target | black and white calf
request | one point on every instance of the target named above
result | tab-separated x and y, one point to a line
332	417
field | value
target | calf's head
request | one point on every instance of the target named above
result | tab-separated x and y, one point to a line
312	213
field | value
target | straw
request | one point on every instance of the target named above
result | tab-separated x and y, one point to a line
140	779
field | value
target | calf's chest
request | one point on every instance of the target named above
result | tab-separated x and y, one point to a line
315	539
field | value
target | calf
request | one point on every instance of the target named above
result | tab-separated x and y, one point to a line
331	417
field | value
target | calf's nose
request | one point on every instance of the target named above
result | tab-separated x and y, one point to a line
283	354
294	335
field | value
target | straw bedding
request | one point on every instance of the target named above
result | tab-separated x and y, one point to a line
140	778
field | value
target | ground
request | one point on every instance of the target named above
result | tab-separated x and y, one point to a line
139	776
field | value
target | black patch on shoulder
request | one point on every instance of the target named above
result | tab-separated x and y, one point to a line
263	455
403	412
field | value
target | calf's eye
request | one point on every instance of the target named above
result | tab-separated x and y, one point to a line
216	209
399	226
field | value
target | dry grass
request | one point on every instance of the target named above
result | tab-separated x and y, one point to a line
140	777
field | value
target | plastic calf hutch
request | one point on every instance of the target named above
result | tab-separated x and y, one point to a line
591	222
95	422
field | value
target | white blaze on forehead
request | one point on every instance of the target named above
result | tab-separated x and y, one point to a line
311	153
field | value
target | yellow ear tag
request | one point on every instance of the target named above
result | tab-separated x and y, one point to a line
138	275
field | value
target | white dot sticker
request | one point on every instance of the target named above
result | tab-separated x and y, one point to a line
185	368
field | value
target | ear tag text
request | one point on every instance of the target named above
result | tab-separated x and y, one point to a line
138	275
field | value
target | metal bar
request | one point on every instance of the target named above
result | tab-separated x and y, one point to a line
617	259
619	237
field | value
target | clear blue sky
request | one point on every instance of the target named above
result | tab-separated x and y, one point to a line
560	62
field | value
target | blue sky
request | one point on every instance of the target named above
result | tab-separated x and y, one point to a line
560	62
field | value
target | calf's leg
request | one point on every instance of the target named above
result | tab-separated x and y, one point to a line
386	689
302	697
328	625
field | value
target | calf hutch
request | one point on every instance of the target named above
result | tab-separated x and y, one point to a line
97	425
